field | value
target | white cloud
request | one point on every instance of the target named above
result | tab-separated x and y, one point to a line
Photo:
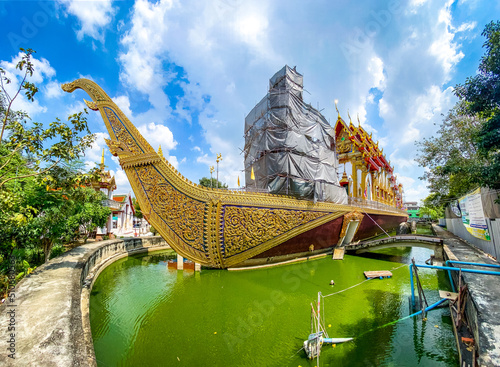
53	90
417	3
93	154
123	103
156	135
376	69
413	190
191	103
209	161
251	27
444	48
173	161
94	16
122	183
76	107
400	162
467	27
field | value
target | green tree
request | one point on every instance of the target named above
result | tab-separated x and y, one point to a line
44	216
213	183
452	156
35	179
40	218
87	212
482	94
433	207
465	153
43	147
138	211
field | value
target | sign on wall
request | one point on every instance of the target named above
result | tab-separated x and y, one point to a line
473	219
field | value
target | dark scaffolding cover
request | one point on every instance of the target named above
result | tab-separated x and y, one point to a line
290	145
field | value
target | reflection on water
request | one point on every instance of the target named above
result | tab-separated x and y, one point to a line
145	314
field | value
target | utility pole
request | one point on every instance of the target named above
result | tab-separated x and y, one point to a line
219	158
211	181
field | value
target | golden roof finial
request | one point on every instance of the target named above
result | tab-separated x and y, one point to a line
349	116
338	113
102	159
160	153
359	122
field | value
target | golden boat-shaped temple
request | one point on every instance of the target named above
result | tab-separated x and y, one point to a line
294	206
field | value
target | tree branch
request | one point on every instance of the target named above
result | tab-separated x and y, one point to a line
11	155
30	175
11	100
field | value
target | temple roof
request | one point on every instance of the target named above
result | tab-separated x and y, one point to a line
106	180
120	198
364	143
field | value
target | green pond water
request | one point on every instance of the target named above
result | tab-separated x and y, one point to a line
144	314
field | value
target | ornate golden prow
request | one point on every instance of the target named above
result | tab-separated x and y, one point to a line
119	127
217	228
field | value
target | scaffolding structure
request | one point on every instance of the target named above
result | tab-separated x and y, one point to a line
290	146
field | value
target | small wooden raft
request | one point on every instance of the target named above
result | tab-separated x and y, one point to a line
338	253
378	274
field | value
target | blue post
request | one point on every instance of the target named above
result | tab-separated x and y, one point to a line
412	287
451	281
434	305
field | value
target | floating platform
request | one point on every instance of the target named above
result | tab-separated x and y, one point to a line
338	253
377	274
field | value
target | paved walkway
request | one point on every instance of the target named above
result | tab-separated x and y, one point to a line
485	293
46	315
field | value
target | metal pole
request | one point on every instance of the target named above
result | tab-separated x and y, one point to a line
412	287
211	180
486	272
466	263
219	158
473	264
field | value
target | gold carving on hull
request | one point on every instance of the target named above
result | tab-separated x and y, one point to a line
245	228
217	228
348	218
183	215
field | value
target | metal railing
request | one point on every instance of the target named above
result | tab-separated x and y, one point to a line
360	203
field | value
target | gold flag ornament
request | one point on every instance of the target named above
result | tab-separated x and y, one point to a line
252	175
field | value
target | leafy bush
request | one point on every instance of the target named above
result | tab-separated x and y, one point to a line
56	251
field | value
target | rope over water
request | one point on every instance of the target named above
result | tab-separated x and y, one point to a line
355	285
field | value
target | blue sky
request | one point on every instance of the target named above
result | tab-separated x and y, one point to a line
187	72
